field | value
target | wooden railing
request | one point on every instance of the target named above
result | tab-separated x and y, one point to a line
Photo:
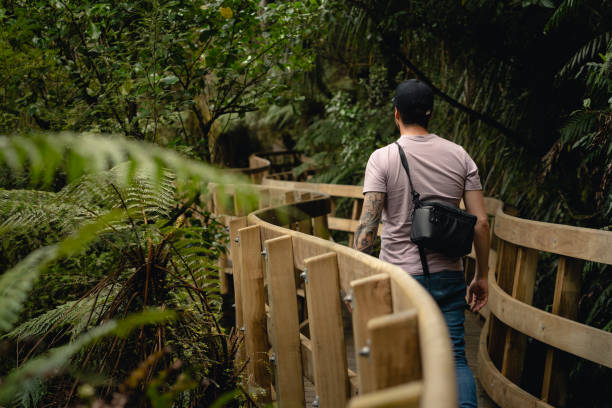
511	285
289	210
402	348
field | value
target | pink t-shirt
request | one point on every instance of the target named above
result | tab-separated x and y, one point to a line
441	170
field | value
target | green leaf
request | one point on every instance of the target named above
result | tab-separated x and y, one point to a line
169	80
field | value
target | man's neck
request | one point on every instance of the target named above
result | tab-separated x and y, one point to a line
413	130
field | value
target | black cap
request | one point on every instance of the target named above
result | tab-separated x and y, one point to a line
413	94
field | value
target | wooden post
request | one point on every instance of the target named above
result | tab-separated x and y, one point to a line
264	198
223	279
321	229
305	226
326	331
565	303
222	264
356	213
253	308
234	226
394	349
522	289
506	262
284	314
371	298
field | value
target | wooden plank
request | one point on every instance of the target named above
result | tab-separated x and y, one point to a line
506	265
320	227
403	396
565	303
576	242
287	214
284	314
264	198
522	290
501	390
334	190
234	226
575	338
253	309
223	279
344	224
355	214
326	331
305	225
308	364
436	356
371	298
395	351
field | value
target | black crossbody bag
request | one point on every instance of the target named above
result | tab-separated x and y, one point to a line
437	225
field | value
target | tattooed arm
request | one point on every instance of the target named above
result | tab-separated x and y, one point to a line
368	223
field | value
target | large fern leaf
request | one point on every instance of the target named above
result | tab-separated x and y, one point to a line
55	360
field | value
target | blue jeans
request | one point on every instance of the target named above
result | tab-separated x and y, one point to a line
448	289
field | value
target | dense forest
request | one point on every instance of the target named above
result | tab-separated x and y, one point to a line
115	115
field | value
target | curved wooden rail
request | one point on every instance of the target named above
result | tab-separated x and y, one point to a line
511	284
424	376
288	205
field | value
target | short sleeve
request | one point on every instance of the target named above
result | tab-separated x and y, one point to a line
375	174
472	179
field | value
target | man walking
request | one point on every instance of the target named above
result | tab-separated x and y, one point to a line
440	170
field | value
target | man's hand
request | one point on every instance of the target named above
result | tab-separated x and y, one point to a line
478	294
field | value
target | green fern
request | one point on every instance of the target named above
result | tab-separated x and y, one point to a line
561	12
587	53
57	359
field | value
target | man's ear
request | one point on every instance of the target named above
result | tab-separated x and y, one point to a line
397	115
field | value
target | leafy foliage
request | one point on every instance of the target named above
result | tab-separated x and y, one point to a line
139	67
159	250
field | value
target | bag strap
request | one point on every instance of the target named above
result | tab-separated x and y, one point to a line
415	196
417	203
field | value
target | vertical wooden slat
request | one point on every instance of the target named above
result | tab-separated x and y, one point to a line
234	226
264	198
321	229
565	303
223	278
305	226
284	314
522	289
506	263
395	352
371	298
253	308
223	201
289	197
355	214
326	331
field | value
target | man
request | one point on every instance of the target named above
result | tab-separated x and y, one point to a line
440	170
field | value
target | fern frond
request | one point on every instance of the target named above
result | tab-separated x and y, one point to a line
16	282
93	153
58	358
586	53
561	12
74	313
31	393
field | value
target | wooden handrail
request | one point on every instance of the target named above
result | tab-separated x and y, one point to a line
510	317
435	355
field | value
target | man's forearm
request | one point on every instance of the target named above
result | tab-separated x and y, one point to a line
481	247
365	235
